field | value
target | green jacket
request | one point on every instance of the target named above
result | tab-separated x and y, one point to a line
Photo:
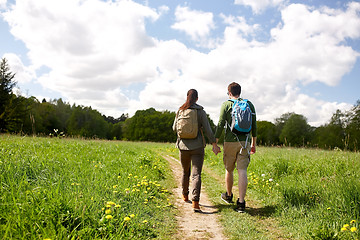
225	121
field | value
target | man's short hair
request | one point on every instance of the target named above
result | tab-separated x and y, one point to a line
234	88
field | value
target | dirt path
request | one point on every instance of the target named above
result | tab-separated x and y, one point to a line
194	225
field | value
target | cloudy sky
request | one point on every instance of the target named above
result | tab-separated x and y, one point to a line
119	56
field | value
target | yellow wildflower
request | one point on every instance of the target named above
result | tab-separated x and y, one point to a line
343	229
107	211
126	219
353	229
353	221
132	215
110	203
145	221
109	217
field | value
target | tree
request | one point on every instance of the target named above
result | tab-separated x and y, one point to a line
86	122
63	112
150	125
116	131
33	121
266	133
295	131
123	117
7	83
353	128
331	135
15	113
280	122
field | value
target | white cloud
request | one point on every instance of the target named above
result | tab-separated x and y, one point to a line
95	50
315	40
87	45
240	24
163	9
23	74
3	3
307	47
258	6
196	24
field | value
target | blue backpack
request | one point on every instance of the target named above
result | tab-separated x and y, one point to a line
241	117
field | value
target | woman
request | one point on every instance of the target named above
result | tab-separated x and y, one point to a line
192	149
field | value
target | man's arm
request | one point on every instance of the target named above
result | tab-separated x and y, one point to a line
253	145
221	123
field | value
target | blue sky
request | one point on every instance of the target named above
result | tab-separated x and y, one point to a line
123	56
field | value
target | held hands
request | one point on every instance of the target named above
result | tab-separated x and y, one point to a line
216	149
253	150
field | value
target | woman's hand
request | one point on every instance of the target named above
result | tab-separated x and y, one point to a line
216	149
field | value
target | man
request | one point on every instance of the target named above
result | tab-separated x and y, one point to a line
237	148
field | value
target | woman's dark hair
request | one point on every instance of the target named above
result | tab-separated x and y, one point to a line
234	88
192	96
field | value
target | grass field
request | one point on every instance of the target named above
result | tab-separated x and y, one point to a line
310	194
75	189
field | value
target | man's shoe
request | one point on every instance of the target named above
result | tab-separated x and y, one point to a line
226	198
196	206
240	207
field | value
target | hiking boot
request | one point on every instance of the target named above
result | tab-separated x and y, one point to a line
185	198
196	206
226	198
240	207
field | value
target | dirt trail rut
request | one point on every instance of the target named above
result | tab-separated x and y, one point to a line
192	225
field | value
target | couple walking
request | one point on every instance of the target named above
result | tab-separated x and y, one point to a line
237	148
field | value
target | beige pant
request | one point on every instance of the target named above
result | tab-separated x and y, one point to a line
232	155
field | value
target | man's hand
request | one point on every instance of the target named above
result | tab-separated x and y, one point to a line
253	143
253	150
216	149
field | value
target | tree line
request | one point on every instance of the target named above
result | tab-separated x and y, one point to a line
29	116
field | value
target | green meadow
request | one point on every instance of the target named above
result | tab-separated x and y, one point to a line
55	188
77	189
296	193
